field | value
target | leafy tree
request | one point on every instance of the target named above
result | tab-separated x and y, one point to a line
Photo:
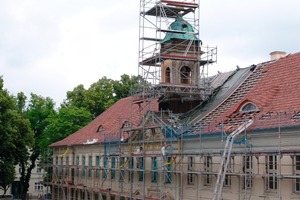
127	86
77	97
103	93
7	175
15	138
67	121
38	110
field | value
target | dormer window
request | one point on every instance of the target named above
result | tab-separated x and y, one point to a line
100	129
126	124
249	107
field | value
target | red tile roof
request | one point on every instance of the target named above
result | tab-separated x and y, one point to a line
278	91
112	121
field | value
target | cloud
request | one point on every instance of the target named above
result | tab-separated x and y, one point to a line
50	47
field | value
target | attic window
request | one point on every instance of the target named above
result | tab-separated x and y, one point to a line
127	124
296	116
100	129
249	107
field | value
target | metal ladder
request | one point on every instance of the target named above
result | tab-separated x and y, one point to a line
226	158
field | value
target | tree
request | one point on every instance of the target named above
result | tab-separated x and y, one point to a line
77	97
37	112
15	138
7	175
127	86
103	93
67	121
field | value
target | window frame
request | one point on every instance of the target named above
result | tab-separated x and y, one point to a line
249	107
191	176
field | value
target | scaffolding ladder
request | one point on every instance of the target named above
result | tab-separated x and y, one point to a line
226	158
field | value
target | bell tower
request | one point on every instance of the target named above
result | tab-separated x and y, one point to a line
176	45
171	55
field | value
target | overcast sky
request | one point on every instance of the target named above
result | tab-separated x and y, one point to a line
50	47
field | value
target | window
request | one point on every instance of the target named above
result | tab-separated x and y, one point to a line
77	165
297	184
126	124
100	129
60	170
185	75
131	169
227	180
67	165
98	166
113	167
105	172
39	170
247	169
140	165
297	163
207	170
122	165
184	27
38	186
154	172
83	166
271	169
168	75
249	107
191	176
296	160
168	176
90	165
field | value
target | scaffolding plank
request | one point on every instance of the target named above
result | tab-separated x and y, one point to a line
151	39
182	4
169	11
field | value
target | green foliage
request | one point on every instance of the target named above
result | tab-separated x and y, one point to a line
37	112
103	93
7	175
28	128
16	136
67	121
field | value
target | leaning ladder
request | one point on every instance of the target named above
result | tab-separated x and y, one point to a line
226	157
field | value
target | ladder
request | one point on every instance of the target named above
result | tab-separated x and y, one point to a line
226	158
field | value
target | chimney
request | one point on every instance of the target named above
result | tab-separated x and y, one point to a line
277	54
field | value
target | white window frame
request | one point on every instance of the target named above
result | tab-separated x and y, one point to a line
247	169
271	169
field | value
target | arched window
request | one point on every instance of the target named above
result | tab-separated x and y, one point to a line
100	129
249	107
168	75
185	75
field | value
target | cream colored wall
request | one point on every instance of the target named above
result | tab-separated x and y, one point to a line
179	187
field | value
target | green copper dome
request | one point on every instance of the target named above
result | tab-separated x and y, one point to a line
180	25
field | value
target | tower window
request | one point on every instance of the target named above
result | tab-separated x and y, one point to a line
184	27
185	75
168	75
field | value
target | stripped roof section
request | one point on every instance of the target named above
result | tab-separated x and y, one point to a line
273	87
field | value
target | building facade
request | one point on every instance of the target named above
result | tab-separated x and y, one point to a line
230	136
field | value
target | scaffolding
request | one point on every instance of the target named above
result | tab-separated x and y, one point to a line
167	158
155	28
157	163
